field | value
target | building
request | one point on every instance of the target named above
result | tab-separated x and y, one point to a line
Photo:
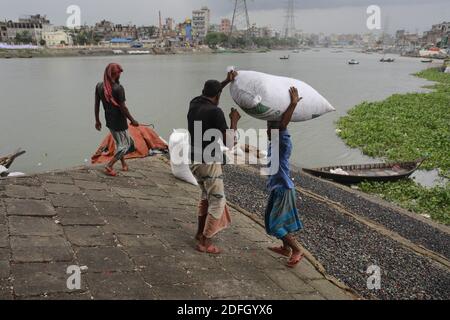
225	26
200	22
438	33
55	38
13	29
108	30
32	26
35	19
3	32
170	24
407	40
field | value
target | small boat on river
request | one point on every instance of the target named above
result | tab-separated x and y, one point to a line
380	172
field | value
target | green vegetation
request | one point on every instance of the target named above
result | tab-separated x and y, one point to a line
23	37
404	128
409	195
214	39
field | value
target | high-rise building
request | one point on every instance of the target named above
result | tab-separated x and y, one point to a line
170	24
225	26
200	22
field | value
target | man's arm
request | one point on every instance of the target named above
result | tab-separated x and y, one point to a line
287	116
230	78
98	124
124	109
234	119
123	106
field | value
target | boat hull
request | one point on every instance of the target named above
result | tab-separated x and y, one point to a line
368	173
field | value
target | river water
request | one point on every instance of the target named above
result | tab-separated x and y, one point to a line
47	105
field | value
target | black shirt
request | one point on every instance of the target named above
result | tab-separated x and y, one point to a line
115	120
211	117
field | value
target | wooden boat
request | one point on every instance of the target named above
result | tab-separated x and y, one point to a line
284	58
387	60
426	60
353	62
381	172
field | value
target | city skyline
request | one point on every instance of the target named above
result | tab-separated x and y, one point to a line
346	16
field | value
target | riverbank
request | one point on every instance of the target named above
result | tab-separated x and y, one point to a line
133	238
93	52
404	128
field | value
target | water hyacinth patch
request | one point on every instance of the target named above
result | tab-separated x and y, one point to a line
406	127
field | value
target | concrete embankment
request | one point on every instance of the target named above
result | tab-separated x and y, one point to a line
133	238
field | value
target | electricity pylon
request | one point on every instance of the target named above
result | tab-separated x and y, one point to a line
289	25
241	19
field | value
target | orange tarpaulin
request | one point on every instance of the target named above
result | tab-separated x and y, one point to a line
145	139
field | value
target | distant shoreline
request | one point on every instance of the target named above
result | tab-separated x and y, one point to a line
92	52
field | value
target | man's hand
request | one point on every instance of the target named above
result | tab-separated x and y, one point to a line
98	126
134	123
295	97
231	76
234	116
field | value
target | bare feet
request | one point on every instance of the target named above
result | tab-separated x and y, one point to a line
110	172
205	246
125	168
296	258
285	252
211	249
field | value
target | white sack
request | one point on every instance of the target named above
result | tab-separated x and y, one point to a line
16	174
266	97
3	169
179	148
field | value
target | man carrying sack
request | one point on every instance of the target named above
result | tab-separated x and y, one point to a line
205	112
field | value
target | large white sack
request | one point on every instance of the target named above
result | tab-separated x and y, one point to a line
179	148
266	97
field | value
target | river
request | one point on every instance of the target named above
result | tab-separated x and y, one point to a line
47	104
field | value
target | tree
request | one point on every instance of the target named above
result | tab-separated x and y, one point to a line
214	39
23	37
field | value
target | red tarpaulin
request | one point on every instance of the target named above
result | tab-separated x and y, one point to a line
145	139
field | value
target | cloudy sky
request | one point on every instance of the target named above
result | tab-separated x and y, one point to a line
328	16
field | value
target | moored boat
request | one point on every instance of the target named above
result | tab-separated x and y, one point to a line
381	172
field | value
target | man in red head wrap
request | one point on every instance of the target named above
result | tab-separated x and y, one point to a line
112	95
